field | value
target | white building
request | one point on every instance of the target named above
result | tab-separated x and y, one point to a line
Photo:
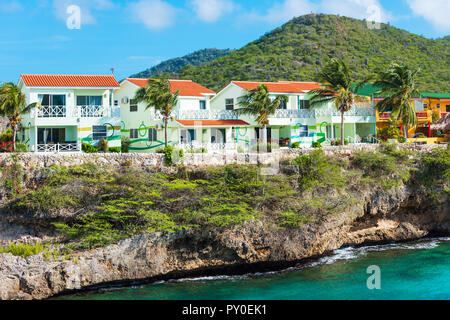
74	109
194	125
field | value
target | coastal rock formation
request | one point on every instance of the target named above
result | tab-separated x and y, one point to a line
395	215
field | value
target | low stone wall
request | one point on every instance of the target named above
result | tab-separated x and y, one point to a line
154	160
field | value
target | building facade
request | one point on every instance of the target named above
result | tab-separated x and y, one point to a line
296	122
74	109
193	125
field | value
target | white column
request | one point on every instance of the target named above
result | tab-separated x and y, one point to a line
35	138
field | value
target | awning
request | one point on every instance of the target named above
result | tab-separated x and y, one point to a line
213	123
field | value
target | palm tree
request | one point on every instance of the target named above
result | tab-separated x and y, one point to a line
257	102
13	106
158	94
337	87
398	84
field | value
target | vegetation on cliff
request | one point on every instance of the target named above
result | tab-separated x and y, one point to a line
172	66
90	206
297	50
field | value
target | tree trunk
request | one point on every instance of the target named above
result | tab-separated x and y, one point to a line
14	138
165	130
342	127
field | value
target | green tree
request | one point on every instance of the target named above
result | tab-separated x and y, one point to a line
158	94
258	103
337	88
13	106
398	84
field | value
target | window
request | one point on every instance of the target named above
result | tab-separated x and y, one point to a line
89	100
218	136
202	105
134	133
99	132
133	105
52	99
187	136
116	103
438	106
152	135
425	106
283	105
447	108
229	104
303	104
303	131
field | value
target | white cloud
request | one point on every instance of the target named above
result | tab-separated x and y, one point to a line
86	6
437	12
288	9
284	11
359	9
10	6
212	10
154	14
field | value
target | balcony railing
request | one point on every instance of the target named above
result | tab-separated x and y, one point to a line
52	112
58	147
73	112
294	113
201	115
90	111
356	112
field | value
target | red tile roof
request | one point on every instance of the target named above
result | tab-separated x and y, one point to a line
62	80
188	88
280	86
213	122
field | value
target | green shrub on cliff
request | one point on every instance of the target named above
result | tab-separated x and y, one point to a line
316	169
23	250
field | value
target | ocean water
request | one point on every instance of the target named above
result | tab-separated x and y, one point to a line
417	270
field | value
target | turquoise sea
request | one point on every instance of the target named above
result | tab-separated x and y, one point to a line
417	270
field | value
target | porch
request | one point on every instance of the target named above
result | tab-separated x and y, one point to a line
55	139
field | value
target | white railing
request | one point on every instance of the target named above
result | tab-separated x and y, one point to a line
90	111
356	111
74	112
58	147
52	112
197	146
201	115
294	113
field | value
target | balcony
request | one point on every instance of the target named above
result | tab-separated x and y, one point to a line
59	147
422	116
293	113
90	112
70	112
52	112
201	115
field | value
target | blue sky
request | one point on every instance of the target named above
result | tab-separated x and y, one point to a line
133	35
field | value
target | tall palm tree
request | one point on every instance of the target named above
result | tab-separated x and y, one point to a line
13	106
398	84
257	102
337	87
158	94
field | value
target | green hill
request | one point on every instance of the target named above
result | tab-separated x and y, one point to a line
298	49
174	65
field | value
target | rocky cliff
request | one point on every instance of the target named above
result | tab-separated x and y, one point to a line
396	215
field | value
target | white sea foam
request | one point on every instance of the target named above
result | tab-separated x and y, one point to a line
347	253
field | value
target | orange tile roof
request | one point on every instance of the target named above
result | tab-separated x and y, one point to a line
280	86
188	88
213	122
64	80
